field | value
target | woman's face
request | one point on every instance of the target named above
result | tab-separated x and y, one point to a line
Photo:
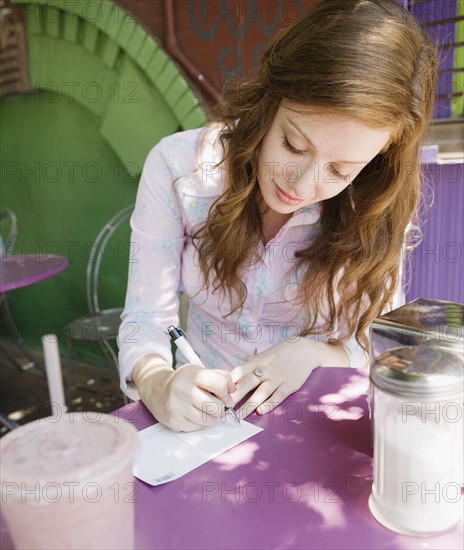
305	159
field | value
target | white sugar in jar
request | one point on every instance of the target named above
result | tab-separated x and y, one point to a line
417	409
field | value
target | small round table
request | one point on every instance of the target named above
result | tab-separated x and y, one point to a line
19	270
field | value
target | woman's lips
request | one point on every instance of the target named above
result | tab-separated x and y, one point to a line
285	197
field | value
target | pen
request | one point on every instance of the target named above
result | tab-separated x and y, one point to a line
178	337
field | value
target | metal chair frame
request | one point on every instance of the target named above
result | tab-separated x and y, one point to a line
92	295
93	270
96	256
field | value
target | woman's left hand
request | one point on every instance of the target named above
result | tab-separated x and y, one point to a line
285	368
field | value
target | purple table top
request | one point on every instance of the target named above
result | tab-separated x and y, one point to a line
303	482
19	270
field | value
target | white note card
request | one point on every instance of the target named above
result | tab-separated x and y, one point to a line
166	455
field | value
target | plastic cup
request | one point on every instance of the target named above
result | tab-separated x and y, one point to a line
66	483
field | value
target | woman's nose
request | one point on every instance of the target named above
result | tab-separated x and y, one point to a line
304	182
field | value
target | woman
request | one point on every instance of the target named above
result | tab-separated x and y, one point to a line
284	220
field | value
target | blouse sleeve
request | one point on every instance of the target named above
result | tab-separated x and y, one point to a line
157	240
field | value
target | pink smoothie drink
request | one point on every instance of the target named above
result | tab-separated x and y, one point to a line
66	483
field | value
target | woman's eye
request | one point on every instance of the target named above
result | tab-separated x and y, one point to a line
287	145
337	174
290	147
341	176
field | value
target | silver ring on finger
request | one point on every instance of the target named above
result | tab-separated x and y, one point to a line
260	374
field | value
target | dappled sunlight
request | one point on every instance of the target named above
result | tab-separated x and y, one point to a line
237	456
332	398
262	466
356	386
331	409
330	404
323	500
289	438
351	413
290	411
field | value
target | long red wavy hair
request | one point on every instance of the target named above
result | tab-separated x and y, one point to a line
367	59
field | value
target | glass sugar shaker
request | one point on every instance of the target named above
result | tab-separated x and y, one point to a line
416	400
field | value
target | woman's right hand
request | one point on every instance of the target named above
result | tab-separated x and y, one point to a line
186	399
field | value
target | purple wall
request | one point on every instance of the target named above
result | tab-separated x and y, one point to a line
437	264
428	11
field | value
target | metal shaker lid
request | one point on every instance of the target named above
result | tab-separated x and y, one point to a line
419	371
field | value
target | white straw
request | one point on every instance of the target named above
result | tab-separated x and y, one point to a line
54	376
